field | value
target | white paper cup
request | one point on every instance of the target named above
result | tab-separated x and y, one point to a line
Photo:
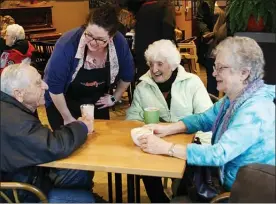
88	110
138	132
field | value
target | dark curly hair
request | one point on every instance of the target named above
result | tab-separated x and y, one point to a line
105	17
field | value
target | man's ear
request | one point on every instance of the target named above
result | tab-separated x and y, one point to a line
18	95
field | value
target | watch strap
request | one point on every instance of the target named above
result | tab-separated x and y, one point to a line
113	99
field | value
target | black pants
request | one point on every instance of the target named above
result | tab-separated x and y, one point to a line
208	63
155	190
142	67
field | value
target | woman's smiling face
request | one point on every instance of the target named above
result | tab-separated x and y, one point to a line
96	37
160	71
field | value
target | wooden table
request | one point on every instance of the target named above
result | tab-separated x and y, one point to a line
111	149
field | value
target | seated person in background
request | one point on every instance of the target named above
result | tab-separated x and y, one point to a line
4	22
25	142
174	91
18	48
243	122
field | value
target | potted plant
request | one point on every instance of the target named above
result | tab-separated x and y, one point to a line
252	15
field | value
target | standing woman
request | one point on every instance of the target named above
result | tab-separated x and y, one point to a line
84	63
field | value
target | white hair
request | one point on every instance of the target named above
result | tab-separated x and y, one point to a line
245	54
163	50
14	77
16	31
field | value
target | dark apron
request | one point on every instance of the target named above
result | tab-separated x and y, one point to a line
87	88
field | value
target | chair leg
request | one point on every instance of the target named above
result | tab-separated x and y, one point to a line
129	94
165	183
137	189
110	191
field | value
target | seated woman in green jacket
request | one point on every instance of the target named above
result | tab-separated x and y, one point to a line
175	92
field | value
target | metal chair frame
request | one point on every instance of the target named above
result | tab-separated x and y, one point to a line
14	186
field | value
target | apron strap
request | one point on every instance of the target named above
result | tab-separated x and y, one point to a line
107	66
84	56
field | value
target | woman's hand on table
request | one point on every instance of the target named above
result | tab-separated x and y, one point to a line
162	130
158	129
154	145
105	101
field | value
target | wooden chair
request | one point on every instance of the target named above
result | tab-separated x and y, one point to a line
14	186
213	98
41	55
188	51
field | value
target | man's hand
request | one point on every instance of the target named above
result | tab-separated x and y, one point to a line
88	122
208	37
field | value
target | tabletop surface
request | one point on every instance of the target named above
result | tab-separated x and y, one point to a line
111	149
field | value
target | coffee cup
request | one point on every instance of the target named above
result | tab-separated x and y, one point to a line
151	115
138	132
88	111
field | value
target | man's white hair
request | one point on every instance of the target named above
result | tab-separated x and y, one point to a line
163	50
245	54
15	77
16	31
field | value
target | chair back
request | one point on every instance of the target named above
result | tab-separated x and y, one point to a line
188	52
41	55
14	186
255	183
213	98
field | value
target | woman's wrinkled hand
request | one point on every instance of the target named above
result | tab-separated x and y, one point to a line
158	129
105	101
154	145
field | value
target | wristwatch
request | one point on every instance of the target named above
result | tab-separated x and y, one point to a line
113	99
171	150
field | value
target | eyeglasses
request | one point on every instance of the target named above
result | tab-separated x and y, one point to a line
219	69
90	37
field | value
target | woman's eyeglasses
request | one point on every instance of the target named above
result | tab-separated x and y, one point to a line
219	69
90	37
